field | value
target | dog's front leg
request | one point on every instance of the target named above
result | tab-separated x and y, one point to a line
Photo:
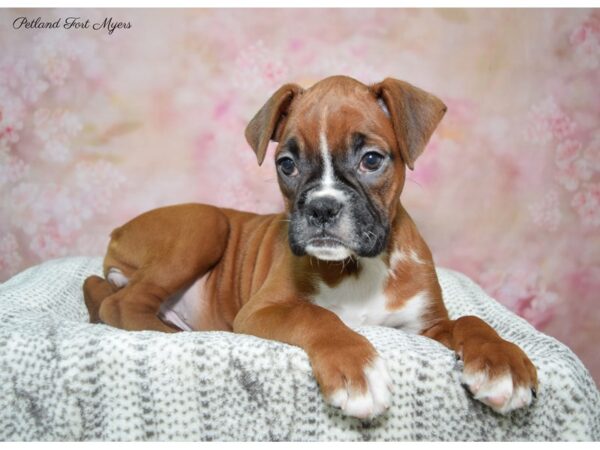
496	372
351	374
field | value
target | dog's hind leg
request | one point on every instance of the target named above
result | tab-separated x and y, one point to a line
107	303
95	290
135	308
153	257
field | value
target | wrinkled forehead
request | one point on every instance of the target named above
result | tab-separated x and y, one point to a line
336	120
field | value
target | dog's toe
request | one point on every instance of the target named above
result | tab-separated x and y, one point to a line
380	384
499	392
339	398
365	404
499	374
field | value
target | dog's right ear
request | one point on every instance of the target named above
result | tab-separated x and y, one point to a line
414	113
269	121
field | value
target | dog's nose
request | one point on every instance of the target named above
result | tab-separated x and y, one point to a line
323	210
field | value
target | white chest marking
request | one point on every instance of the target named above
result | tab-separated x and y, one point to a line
362	301
398	256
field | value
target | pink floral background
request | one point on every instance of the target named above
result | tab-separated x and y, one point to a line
96	128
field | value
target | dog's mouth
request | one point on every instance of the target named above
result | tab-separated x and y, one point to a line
328	248
326	241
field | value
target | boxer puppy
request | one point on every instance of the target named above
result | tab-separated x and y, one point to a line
344	253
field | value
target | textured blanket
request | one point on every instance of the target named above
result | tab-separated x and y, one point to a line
62	378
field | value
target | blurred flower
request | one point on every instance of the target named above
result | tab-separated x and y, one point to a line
10	258
546	121
53	52
546	213
48	242
574	174
55	130
32	83
52	215
12	169
94	186
586	40
259	67
23	202
591	154
587	204
11	118
56	151
523	291
566	152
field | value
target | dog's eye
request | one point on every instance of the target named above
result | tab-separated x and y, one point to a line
371	162
287	166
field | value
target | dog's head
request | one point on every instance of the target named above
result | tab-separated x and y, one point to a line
343	148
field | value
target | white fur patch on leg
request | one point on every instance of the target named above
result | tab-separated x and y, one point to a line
116	278
521	397
371	403
497	392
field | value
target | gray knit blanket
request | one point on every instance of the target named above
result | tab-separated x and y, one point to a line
62	378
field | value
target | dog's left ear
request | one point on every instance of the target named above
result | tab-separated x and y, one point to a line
269	121
414	113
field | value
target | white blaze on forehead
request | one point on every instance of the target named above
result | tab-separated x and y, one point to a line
327	185
327	179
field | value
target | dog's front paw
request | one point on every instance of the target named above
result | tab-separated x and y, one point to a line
500	375
354	379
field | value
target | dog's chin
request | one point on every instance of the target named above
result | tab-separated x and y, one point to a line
328	250
334	253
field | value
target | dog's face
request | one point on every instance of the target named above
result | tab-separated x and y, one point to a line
339	172
341	158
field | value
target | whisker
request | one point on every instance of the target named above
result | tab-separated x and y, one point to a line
416	182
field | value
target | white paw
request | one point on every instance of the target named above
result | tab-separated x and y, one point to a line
499	393
374	401
116	278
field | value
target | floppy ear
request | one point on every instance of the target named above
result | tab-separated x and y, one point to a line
269	121
414	113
